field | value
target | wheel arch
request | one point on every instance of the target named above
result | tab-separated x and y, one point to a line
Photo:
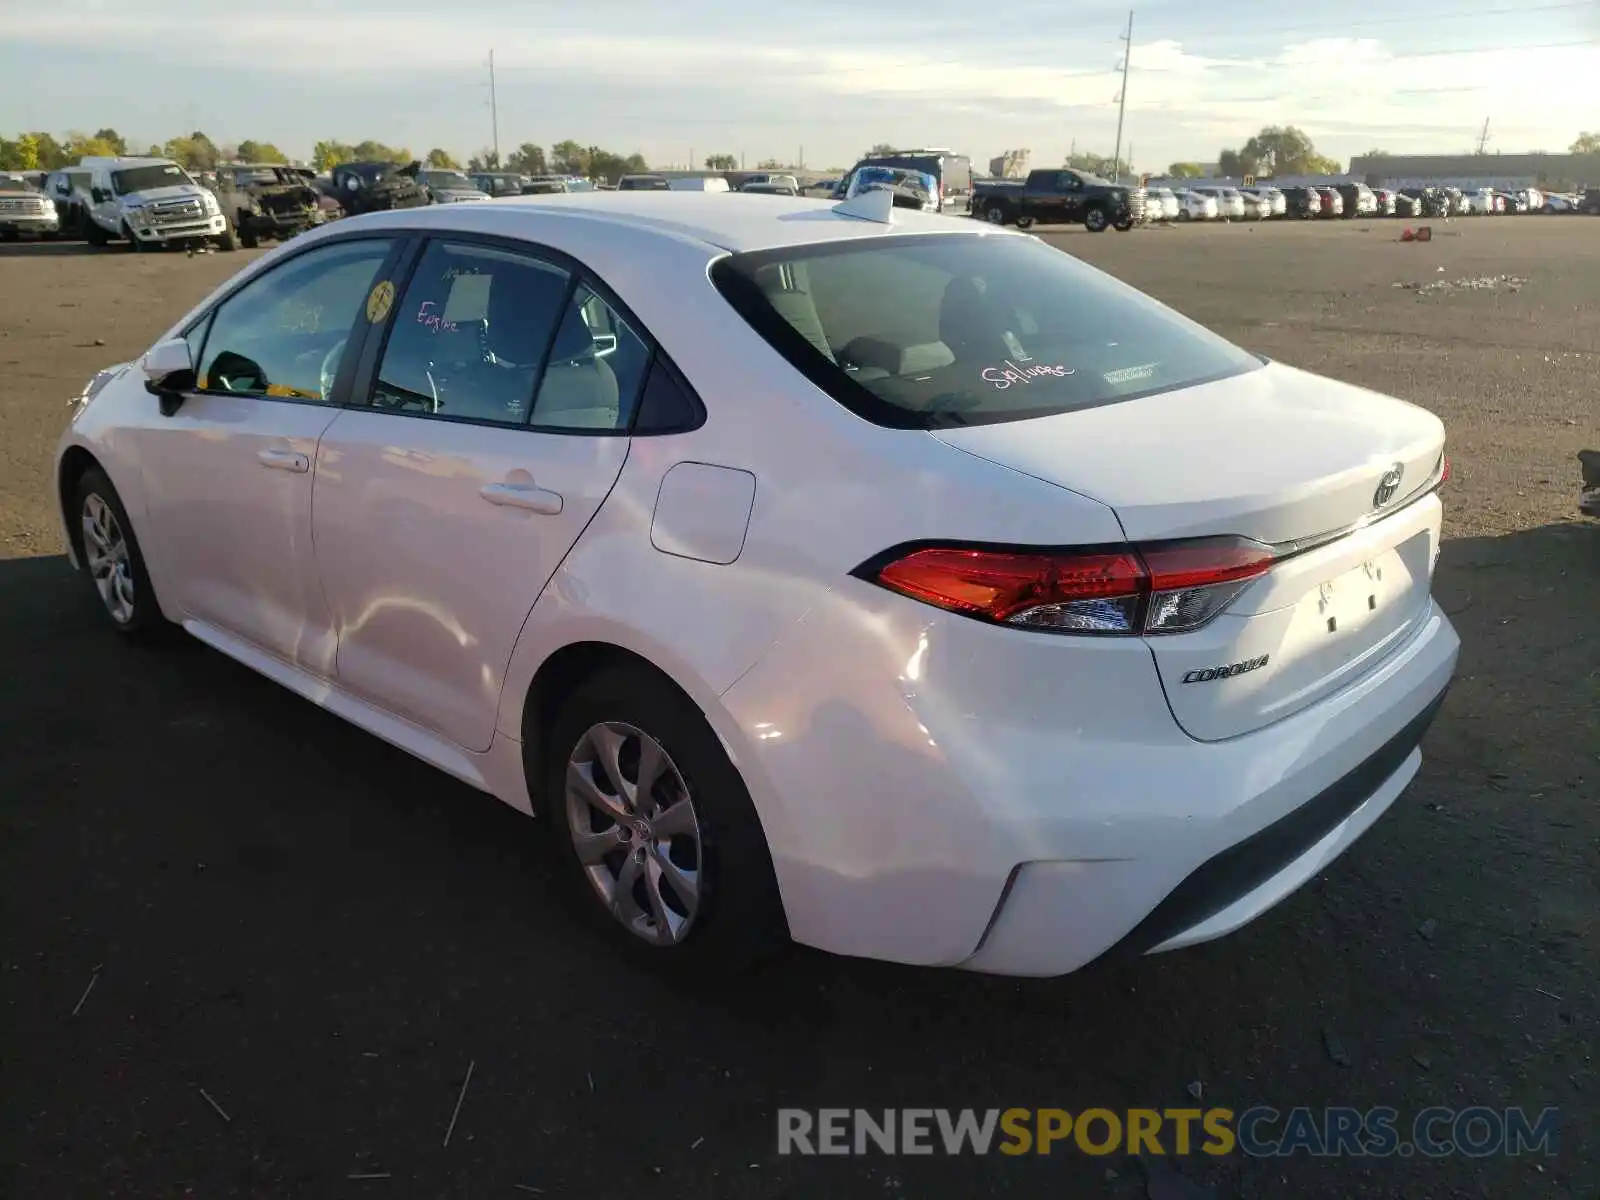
75	462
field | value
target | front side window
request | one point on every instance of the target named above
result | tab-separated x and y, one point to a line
284	335
936	331
470	335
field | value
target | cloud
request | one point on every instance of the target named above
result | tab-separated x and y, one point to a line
853	78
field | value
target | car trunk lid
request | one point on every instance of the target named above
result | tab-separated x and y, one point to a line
1325	473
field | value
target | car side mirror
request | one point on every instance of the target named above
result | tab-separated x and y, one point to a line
168	373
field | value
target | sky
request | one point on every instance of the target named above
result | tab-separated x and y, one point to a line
827	79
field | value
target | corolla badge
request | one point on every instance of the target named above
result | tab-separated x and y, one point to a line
1388	485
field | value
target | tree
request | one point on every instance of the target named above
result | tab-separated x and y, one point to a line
325	156
770	164
484	160
153	152
196	152
879	150
371	151
1235	164
527	159
20	155
1092	164
1376	154
569	158
263	152
81	145
113	139
441	159
1587	143
1184	170
721	162
1277	150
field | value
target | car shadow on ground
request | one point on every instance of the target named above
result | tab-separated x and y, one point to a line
324	932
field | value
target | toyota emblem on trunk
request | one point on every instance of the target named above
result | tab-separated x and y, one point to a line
1388	485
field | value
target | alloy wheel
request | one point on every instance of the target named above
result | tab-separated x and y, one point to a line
635	831
105	552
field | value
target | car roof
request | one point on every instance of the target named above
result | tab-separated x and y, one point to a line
730	221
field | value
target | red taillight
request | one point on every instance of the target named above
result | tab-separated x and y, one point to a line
1170	587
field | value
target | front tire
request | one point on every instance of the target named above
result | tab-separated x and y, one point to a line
1123	225
226	240
249	239
111	559
133	242
995	215
93	234
1095	220
678	870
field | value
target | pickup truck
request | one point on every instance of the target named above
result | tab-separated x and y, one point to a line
1058	196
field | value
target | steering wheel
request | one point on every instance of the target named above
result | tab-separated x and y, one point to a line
330	367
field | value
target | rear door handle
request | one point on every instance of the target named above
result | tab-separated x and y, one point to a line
522	495
284	460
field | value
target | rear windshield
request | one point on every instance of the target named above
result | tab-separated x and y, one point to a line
930	332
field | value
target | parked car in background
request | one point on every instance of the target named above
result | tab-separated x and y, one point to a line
1230	202
629	524
363	187
1388	201
25	211
151	204
449	187
1358	200
1589	204
951	173
1270	199
770	189
1162	204
1196	206
1302	203
496	184
265	201
1564	203
68	190
1060	196
643	183
1332	202
1256	207
698	183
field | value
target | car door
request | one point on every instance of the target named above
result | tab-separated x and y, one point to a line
493	428
229	474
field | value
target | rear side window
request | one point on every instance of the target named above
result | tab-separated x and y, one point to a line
929	332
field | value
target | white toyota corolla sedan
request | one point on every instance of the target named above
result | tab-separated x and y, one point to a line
841	573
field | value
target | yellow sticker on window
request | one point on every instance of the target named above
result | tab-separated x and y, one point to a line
380	301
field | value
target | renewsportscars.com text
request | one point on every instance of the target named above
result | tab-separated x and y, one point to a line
1261	1131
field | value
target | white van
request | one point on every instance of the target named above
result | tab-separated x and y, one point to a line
699	183
151	203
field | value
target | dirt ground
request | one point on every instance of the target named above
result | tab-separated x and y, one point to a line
283	916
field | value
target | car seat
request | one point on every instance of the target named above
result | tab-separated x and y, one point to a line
579	389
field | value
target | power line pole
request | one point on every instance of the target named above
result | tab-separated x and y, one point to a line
494	110
1122	98
1483	138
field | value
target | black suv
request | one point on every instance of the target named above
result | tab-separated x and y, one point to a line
363	187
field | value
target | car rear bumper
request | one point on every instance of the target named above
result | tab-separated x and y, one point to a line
1023	804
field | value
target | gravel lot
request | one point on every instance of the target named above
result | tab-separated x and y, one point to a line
323	935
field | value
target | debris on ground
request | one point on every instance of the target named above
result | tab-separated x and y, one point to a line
1427	928
1481	283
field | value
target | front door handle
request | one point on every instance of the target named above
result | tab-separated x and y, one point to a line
284	460
522	495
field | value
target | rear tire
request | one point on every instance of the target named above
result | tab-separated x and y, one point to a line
1024	222
108	552
735	915
249	239
93	234
1185	215
995	215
